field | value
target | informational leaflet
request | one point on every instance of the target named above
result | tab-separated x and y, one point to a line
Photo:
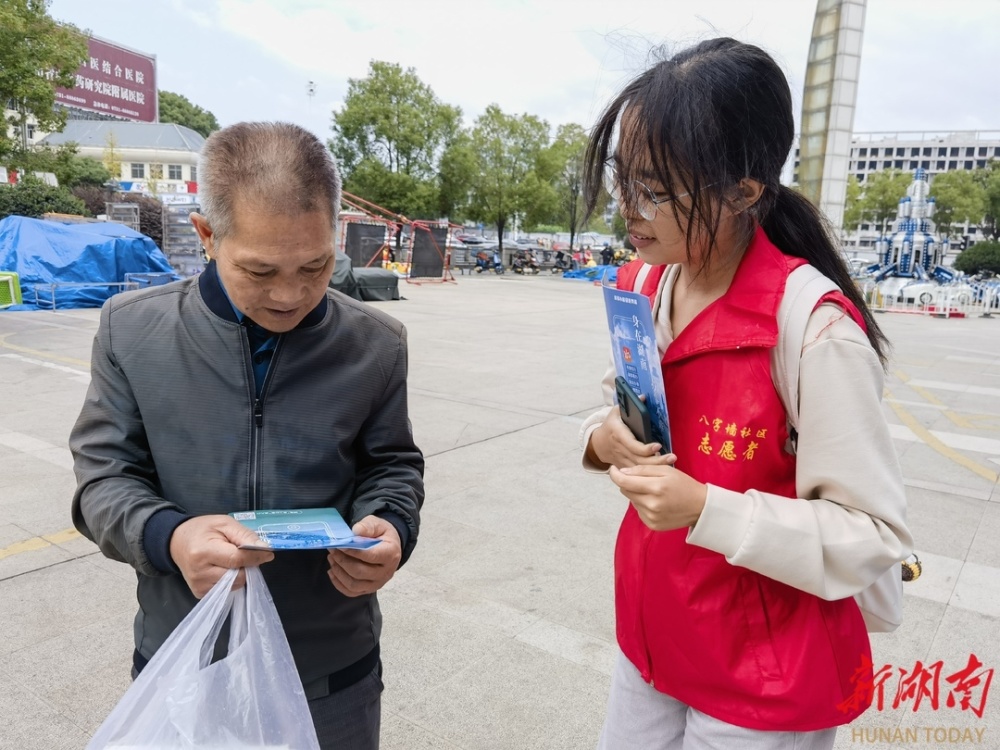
633	345
308	528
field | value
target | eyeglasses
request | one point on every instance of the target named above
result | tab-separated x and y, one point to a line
638	196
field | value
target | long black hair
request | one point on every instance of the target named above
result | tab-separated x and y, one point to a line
700	122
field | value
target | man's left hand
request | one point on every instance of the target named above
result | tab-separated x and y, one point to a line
355	572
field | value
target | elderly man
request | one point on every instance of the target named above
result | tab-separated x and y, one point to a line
250	387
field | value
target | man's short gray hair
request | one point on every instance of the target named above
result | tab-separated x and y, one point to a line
275	167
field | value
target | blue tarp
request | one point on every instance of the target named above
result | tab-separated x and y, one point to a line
43	252
594	273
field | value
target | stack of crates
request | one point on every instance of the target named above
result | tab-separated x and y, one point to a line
10	289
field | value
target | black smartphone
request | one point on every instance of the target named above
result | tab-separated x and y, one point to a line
634	412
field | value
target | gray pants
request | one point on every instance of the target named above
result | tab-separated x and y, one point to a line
642	718
350	719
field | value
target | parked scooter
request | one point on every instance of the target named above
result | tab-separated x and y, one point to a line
484	262
525	263
562	263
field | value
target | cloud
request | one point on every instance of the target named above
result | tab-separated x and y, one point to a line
562	61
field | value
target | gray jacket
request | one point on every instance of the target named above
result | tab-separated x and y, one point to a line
171	427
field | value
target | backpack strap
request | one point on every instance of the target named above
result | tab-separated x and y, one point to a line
804	289
640	277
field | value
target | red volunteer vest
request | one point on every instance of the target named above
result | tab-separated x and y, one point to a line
732	643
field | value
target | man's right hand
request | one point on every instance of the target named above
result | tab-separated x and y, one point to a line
205	547
613	444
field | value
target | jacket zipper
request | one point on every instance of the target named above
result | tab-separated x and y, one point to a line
257	419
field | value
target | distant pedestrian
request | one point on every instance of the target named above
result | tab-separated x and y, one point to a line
607	254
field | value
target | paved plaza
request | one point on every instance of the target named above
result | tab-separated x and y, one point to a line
499	632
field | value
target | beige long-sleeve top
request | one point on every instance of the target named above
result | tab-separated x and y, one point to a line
850	526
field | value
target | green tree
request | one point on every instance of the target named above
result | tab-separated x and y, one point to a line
64	162
958	199
989	179
852	207
983	256
397	191
32	198
177	109
393	124
456	169
880	199
568	148
618	227
111	157
37	56
510	149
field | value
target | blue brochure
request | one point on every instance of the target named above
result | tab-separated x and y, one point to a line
308	528
633	343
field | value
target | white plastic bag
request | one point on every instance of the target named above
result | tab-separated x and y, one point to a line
252	698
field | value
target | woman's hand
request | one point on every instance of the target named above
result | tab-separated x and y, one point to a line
613	444
665	498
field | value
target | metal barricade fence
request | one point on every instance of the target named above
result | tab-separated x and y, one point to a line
49	303
945	302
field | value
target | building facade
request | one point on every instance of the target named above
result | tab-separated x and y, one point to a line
158	158
908	151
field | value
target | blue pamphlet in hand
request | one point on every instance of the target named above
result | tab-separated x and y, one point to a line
307	528
637	360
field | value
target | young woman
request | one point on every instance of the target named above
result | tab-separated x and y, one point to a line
740	552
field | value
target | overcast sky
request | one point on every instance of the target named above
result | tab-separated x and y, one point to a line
925	65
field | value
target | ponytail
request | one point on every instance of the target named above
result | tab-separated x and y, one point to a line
797	228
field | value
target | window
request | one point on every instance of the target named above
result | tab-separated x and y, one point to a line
982	150
174	172
914	152
886	164
953	165
861	177
927	152
156	171
942	152
873	165
970	151
913	165
138	171
981	164
940	165
194	174
863	152
31	132
874	152
968	165
954	152
925	165
900	152
898	164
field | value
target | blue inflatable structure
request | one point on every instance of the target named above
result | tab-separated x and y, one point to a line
77	264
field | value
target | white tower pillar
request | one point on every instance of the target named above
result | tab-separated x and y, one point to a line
828	100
